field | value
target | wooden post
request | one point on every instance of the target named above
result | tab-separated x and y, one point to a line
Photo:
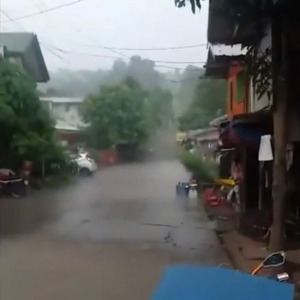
261	186
279	188
279	179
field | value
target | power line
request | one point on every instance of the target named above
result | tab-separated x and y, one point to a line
122	56
154	48
118	57
42	11
113	49
48	48
108	48
126	56
130	58
7	16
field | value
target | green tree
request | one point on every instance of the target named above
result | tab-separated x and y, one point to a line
194	4
209	102
81	83
27	130
159	109
116	114
188	80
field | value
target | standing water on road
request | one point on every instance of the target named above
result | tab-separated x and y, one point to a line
118	228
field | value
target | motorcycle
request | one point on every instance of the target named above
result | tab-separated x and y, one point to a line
11	184
215	283
274	260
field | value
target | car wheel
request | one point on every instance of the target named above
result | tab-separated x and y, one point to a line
85	172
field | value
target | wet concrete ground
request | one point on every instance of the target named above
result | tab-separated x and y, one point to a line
108	237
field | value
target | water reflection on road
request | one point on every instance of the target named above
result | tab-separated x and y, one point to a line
118	228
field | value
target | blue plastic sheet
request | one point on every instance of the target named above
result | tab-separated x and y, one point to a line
247	132
211	283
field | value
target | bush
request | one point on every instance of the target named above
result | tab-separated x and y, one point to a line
201	169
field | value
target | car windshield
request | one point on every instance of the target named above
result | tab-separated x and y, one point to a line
83	155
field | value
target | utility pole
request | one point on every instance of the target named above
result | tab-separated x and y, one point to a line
280	98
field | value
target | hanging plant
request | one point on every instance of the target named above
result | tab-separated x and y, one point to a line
259	68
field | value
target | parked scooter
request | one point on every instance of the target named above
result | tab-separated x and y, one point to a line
274	260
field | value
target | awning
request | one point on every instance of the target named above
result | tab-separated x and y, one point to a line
240	132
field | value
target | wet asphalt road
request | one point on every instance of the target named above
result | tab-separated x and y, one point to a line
133	203
109	237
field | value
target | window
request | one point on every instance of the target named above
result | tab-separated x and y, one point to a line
231	95
240	83
67	107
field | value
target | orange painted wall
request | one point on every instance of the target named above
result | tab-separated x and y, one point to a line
235	107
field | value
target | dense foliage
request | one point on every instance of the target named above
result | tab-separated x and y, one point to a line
27	131
209	101
187	85
81	83
204	170
159	109
194	4
124	113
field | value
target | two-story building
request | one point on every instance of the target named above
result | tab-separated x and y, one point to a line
65	113
249	118
271	31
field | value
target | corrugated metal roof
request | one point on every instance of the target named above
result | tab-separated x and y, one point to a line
16	41
205	134
217	121
225	50
220	57
62	99
62	125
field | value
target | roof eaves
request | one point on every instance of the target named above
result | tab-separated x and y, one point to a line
41	61
222	29
221	57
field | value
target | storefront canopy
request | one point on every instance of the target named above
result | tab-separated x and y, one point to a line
241	132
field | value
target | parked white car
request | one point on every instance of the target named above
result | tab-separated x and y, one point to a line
86	165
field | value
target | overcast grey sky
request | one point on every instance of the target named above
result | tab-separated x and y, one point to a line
85	28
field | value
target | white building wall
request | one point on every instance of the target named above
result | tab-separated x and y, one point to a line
68	112
65	111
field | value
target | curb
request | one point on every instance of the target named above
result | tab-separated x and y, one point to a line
234	254
235	257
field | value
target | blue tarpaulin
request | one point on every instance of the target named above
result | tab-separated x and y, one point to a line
211	283
241	132
248	133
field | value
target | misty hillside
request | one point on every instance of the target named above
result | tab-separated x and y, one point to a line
181	83
196	100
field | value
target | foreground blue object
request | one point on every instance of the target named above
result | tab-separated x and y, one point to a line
211	283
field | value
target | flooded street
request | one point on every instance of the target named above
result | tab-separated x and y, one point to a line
109	237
